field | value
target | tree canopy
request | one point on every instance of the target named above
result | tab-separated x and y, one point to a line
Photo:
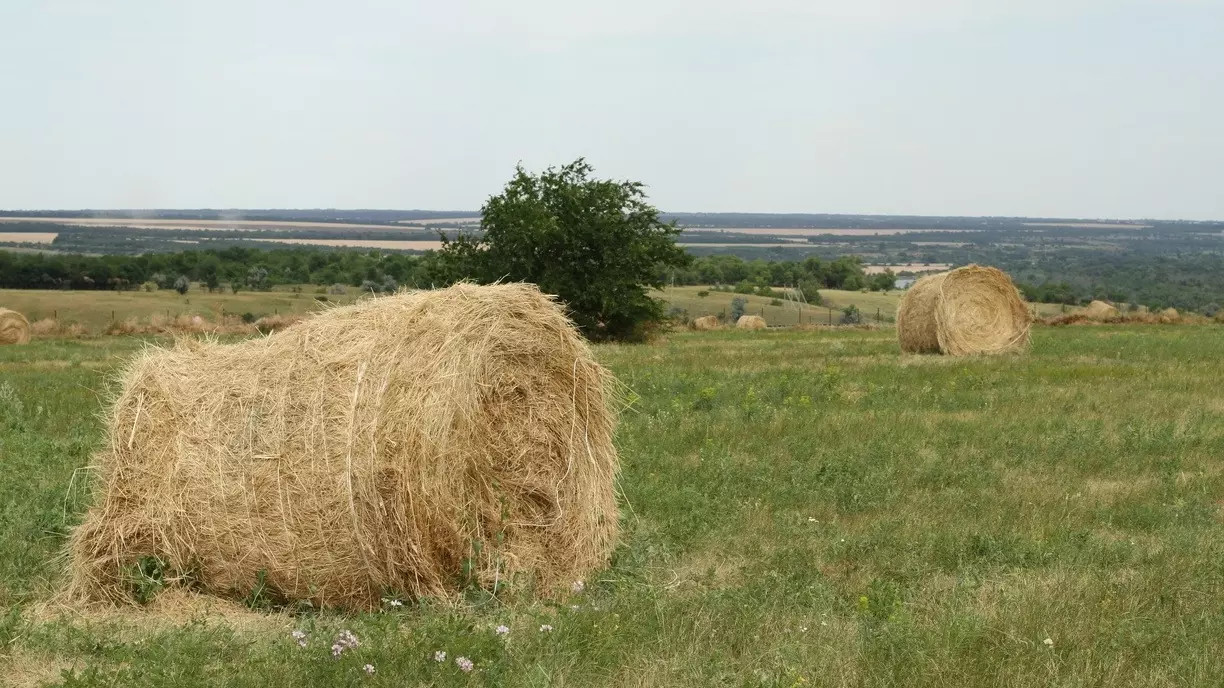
598	244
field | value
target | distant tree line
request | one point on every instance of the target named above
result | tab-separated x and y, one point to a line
261	270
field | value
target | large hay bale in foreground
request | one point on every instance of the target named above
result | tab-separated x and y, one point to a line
1099	310
750	322
706	322
14	328
970	310
393	445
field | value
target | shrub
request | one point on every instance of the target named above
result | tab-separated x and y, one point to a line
738	305
703	293
851	315
775	302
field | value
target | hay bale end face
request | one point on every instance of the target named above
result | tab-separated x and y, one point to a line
14	328
750	322
414	443
706	322
970	310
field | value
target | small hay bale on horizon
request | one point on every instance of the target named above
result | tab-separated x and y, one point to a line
1170	316
1100	310
414	443
14	328
966	311
750	322
706	322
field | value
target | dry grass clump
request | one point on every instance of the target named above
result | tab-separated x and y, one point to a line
706	322
14	328
414	443
970	310
50	327
750	322
1099	310
1170	316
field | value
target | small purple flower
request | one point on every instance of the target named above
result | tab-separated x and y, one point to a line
440	656
369	669
345	641
545	628
578	587
464	664
299	637
501	630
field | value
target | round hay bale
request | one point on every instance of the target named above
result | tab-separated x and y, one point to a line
969	310
14	328
750	322
706	322
1170	316
414	443
1099	310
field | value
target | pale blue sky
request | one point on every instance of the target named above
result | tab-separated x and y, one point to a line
1086	108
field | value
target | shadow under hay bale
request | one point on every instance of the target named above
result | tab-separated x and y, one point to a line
14	328
970	310
415	443
750	322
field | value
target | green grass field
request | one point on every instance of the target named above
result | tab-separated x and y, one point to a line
801	508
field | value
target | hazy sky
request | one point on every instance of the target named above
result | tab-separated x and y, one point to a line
1086	108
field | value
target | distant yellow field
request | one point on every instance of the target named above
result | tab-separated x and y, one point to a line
907	267
364	243
29	237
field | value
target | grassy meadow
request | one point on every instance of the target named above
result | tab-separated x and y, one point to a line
95	310
801	508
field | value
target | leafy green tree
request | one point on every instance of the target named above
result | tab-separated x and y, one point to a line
182	284
595	243
885	281
810	289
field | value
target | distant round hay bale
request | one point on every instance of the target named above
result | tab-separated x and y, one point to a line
14	328
970	310
1170	316
706	322
750	322
1099	310
409	443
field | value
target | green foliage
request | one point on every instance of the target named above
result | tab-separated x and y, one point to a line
738	304
885	281
810	289
182	284
595	243
703	294
851	315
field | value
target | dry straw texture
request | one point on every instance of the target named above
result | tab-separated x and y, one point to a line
14	328
706	322
1170	316
394	445
750	322
970	310
1099	310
